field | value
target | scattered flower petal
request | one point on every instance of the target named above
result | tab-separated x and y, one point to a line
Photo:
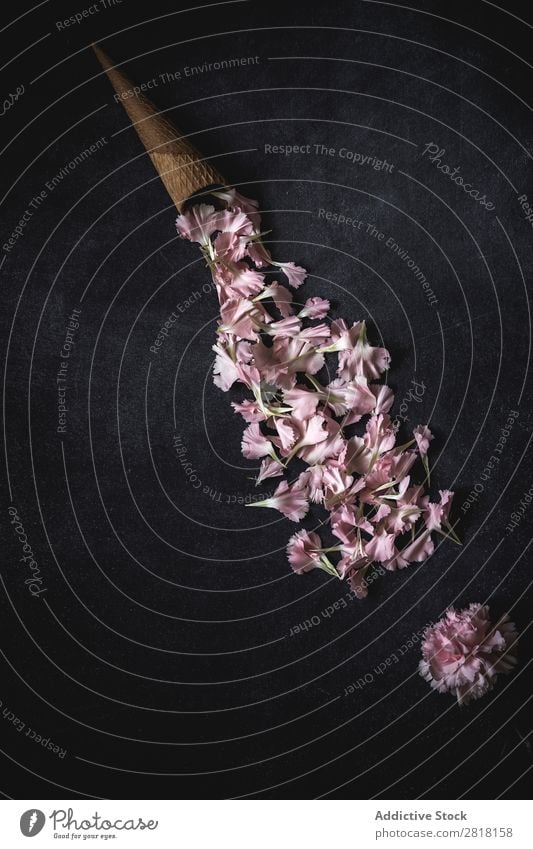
254	443
303	551
364	481
269	469
315	308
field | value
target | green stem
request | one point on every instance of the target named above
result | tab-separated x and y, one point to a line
327	566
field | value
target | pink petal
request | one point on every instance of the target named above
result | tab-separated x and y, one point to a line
423	437
295	273
286	433
259	254
198	223
281	297
315	308
420	549
302	551
249	410
269	468
380	547
254	443
384	397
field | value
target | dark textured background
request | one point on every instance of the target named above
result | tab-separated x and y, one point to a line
159	656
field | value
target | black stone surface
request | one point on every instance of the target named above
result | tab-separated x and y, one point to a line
158	654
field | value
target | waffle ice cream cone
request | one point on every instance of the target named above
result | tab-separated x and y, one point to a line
178	164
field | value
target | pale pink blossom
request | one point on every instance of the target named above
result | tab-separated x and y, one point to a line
286	434
259	255
315	308
436	515
464	652
295	274
289	500
330	448
237	202
281	297
302	401
289	326
399	519
230	247
225	371
384	397
249	375
401	463
230	359
336	485
303	551
423	437
245	281
353	558
356	356
364	360
420	549
234	222
362	479
344	338
198	223
316	333
377	483
353	399
297	356
249	410
273	365
380	436
269	468
319	438
344	521
314	480
240	317
381	546
358	456
255	444
310	431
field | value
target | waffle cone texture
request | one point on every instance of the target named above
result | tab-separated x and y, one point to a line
177	162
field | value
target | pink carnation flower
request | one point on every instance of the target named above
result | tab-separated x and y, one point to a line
255	444
198	224
269	469
286	327
270	343
249	410
356	356
315	308
244	281
281	297
380	547
237	202
259	255
423	437
463	653
236	222
303	402
384	397
230	247
303	551
437	514
295	274
289	500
